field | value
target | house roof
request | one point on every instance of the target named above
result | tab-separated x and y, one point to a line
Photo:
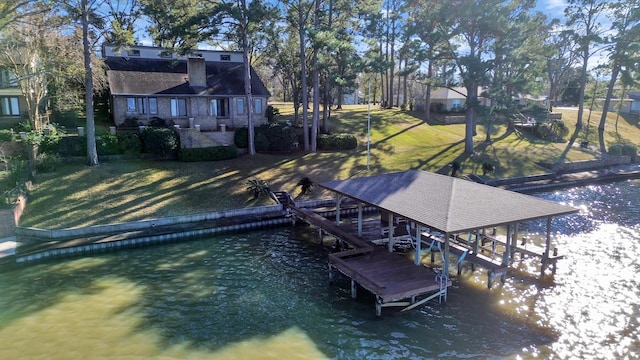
458	92
445	203
140	76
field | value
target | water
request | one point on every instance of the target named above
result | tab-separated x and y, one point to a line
266	295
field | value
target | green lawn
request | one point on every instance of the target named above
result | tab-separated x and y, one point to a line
78	195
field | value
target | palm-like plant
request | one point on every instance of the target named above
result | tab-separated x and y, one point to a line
258	187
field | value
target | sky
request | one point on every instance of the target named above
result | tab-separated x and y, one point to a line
553	8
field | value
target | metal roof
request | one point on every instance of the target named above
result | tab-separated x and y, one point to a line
444	203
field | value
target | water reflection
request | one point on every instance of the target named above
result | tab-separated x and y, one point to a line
266	295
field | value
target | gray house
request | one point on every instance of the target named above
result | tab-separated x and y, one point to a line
204	88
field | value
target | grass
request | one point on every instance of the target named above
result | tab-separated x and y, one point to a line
78	195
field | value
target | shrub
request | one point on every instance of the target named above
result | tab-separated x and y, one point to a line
161	142
160	122
241	138
131	121
337	142
261	141
107	144
129	143
46	141
487	167
272	113
281	137
623	149
69	146
214	153
18	172
258	187
553	130
47	162
6	135
305	185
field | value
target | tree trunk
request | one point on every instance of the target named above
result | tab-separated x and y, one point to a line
583	82
315	120
472	98
303	79
92	152
427	102
605	107
247	78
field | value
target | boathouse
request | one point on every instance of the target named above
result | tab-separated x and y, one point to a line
442	214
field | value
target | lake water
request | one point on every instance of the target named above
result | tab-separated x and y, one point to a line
266	295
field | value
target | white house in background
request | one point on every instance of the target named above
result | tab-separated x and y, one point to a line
630	105
451	99
205	87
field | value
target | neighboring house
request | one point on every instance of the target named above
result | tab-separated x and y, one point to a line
204	88
13	107
451	99
630	105
542	101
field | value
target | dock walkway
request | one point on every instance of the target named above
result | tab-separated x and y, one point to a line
391	277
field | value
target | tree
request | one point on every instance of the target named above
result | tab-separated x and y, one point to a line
472	28
561	58
171	23
624	50
27	50
583	19
14	11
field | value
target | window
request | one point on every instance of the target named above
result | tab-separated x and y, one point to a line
9	106
257	106
7	78
178	107
218	107
153	106
132	104
225	57
240	106
133	52
142	105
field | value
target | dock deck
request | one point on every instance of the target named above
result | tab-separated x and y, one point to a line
391	277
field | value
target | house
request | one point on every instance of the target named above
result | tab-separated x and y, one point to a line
13	107
450	99
204	88
630	105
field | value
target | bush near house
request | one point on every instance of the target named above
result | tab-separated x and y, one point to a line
161	142
268	137
337	142
106	144
6	135
214	153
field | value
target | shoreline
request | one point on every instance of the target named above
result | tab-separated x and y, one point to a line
34	245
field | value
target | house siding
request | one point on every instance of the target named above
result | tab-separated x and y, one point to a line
197	108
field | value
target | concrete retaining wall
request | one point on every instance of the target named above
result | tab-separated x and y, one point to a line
258	211
99	247
591	164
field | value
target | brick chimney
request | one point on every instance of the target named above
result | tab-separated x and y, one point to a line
197	72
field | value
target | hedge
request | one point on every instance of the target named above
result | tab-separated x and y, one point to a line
337	142
213	153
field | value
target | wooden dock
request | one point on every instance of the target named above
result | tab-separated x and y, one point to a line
391	277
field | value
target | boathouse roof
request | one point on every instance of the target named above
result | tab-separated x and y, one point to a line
444	203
